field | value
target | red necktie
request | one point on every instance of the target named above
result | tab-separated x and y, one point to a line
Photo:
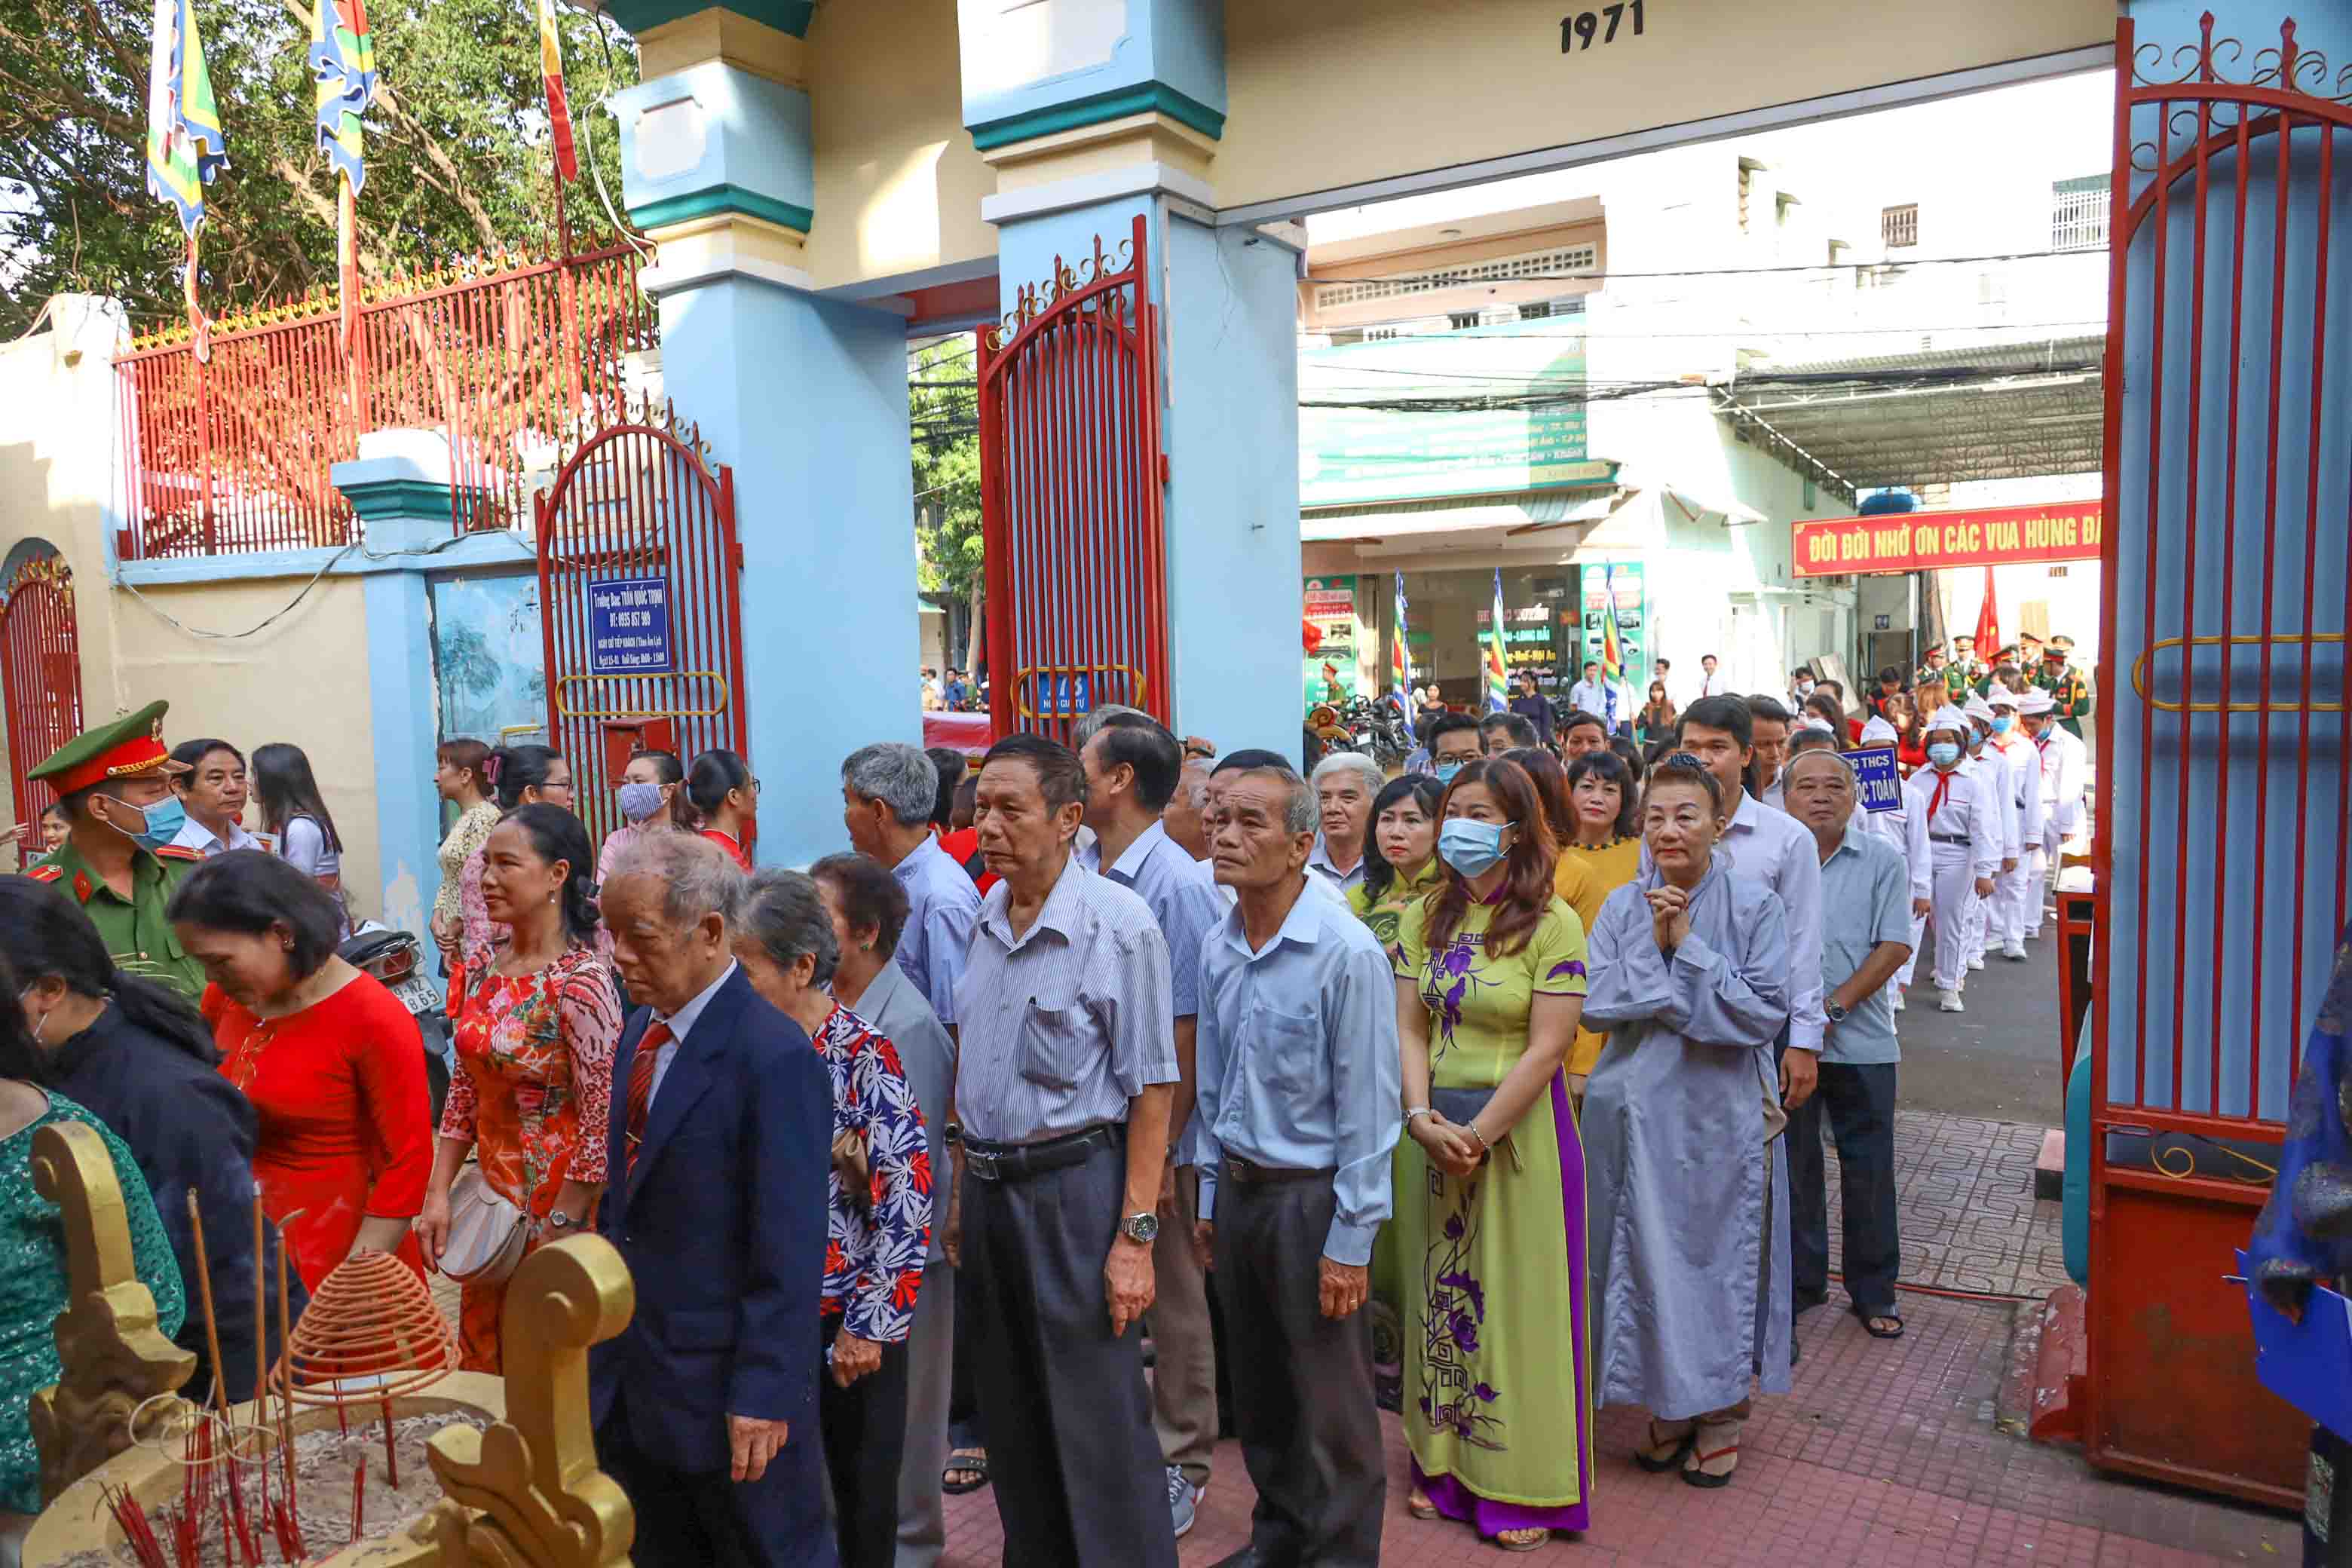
641	1085
1934	804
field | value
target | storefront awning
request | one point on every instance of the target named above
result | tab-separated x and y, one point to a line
1530	512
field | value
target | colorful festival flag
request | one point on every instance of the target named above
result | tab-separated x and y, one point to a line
1612	649
1401	664
559	112
1987	624
342	58
1498	658
186	146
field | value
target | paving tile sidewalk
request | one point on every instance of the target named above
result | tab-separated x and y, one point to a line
1886	1452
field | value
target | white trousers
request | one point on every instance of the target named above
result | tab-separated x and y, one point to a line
1959	914
2010	892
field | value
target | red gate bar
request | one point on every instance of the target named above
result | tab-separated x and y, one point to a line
40	668
640	501
2221	529
233	457
1071	500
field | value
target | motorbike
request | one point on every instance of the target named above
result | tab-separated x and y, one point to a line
396	958
1377	729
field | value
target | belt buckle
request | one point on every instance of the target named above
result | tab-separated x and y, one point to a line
980	1164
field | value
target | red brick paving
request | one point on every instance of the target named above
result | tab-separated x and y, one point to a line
1888	1454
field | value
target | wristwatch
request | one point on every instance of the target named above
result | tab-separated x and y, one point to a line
1835	1014
557	1220
1143	1228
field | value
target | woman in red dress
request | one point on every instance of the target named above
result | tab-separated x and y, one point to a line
535	1032
721	787
330	1059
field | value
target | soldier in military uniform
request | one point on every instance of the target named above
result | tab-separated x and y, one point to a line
1934	672
1960	676
117	860
2067	686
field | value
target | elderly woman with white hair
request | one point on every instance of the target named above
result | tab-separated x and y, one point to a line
878	1204
1346	783
1956	825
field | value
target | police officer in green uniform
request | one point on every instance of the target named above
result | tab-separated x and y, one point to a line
2067	686
117	860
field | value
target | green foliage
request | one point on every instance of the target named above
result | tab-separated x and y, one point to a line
942	410
458	156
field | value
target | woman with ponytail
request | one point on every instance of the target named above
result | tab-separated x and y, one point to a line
724	794
517	776
139	1056
535	1026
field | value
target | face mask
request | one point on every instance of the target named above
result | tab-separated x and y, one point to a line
162	822
24	1000
1470	848
1943	753
2000	724
1445	771
640	801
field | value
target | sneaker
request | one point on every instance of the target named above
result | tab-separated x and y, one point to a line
2012	947
1898	1001
1949	1001
1183	1500
1977	963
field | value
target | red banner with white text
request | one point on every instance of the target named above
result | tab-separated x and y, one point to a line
1926	540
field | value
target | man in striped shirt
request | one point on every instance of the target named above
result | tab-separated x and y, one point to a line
1064	1085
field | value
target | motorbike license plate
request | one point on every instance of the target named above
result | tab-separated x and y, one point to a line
417	994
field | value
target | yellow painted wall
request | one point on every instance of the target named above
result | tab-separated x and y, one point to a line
303	680
1332	92
898	183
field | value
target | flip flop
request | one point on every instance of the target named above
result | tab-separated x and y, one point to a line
1419	1505
1870	1321
1530	1539
974	1462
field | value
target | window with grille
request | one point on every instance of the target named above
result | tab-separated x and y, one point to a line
1899	226
1462	320
1535	312
1563	262
2078	213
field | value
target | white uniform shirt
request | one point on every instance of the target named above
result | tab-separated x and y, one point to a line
2065	761
2021	765
1969	810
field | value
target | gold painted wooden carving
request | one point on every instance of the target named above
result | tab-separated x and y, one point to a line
116	1357
543	1501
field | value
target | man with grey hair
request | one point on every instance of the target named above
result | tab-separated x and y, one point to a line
1865	936
1345	785
704	1405
1300	1079
888	793
1182	817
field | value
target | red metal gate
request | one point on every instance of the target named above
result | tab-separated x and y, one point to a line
40	666
1071	503
2224	729
640	605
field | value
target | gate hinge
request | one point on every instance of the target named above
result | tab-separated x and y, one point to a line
1163	467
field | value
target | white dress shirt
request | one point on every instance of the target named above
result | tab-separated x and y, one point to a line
195	835
681	1024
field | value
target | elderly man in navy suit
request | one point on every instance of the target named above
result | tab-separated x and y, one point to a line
704	1405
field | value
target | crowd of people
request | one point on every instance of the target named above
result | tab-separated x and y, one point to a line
1434	1090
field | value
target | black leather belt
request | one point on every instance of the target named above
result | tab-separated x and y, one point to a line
1950	838
1242	1170
1019	1161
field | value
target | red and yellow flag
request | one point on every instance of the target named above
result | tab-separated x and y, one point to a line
559	113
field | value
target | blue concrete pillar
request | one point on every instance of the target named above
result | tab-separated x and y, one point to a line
1122	115
805	397
403	503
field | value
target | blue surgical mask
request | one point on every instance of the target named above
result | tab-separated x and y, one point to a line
1943	753
640	800
2000	724
164	819
1470	846
1445	771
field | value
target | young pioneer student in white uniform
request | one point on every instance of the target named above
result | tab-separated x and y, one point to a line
2020	764
1956	829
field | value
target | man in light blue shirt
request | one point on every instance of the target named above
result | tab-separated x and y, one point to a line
1300	1084
1865	936
887	794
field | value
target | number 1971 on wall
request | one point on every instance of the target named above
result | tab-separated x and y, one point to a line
1586	28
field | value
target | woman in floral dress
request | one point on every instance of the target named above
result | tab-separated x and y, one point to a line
535	1032
1490	1187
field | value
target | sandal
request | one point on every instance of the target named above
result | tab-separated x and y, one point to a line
964	1462
1695	1470
1661	1454
1871	1321
1417	1503
1528	1540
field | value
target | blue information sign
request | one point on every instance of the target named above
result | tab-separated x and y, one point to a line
1064	696
628	627
1875	776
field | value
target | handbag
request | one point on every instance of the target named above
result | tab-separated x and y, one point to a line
1459	1105
487	1232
